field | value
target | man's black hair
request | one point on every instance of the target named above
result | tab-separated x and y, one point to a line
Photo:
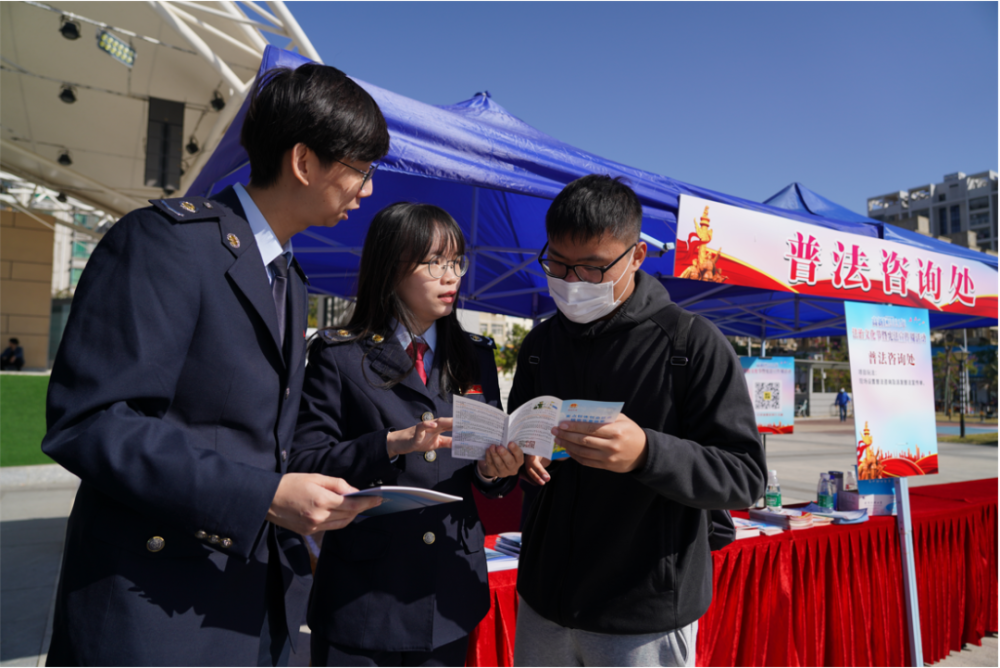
316	105
594	206
15	341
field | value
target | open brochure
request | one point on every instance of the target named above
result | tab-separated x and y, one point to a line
477	425
398	499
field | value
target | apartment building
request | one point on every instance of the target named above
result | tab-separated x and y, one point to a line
961	209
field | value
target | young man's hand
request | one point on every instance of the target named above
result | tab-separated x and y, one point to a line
534	469
501	462
311	502
619	446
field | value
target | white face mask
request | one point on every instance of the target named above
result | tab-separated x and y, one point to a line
586	302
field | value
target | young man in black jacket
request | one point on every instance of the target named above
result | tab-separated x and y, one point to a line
615	565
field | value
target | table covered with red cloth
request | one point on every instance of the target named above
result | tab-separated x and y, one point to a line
832	595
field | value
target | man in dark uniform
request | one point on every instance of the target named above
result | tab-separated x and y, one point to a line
175	393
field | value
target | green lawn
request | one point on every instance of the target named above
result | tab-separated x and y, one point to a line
988	438
22	419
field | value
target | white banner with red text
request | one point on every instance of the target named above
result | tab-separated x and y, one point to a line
720	243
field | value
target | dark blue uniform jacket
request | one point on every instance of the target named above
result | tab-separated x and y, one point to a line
409	581
173	401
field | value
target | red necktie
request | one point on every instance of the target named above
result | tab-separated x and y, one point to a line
416	354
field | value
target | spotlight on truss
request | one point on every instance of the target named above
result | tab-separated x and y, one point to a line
116	48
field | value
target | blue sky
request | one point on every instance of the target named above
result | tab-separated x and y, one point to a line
851	99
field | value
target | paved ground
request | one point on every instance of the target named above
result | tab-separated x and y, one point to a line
34	504
35	501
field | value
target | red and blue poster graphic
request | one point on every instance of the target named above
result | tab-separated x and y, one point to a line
720	243
893	384
771	382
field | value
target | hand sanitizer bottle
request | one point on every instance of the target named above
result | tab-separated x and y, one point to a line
773	494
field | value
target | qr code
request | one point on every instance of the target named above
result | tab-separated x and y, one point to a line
767	396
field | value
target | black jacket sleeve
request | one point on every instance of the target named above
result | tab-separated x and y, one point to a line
719	463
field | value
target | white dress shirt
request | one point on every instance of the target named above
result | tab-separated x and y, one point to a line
267	240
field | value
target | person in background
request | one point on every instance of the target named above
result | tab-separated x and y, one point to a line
841	400
12	358
615	567
175	393
402	589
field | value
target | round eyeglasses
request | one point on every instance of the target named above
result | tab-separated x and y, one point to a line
367	176
437	266
585	272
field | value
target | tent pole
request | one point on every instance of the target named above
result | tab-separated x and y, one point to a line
474	239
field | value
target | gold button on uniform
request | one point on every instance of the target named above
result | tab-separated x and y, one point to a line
288	391
200	535
377	338
213	539
427	416
226	543
284	455
343	332
430	456
429	538
155	544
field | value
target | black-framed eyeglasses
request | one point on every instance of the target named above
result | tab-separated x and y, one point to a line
585	272
437	266
367	175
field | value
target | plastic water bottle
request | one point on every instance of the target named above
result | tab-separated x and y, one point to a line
773	494
824	492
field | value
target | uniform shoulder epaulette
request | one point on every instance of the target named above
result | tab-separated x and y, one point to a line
187	209
335	336
481	340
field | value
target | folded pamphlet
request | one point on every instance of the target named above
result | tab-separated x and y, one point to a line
398	499
839	516
477	426
748	526
786	518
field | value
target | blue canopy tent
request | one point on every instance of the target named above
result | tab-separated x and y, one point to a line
497	175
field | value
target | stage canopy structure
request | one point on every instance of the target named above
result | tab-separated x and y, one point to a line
497	175
116	103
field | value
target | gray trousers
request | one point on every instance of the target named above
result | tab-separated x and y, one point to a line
540	642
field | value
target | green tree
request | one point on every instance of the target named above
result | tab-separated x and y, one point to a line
506	355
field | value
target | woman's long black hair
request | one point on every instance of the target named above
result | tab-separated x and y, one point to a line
402	235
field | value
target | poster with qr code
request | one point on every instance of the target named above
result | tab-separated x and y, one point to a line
771	382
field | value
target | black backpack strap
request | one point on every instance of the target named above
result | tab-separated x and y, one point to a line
676	324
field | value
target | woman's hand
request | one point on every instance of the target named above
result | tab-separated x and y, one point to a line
501	462
534	469
421	437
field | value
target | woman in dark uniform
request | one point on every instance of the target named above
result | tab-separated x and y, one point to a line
403	589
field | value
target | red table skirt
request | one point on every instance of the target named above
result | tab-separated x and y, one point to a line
832	595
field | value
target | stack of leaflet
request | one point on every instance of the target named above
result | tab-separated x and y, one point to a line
838	516
498	561
750	529
504	555
786	518
509	543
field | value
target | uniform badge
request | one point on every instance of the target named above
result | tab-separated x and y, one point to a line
475	389
377	338
343	332
233	240
475	337
188	206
